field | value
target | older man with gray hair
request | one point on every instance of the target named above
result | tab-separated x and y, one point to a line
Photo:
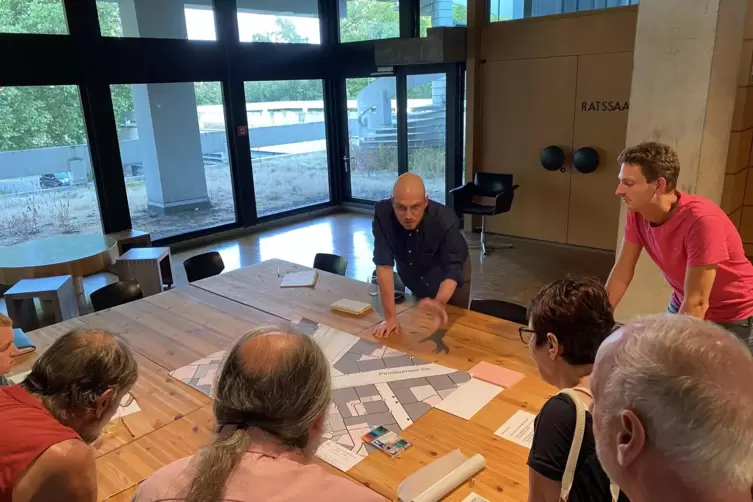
49	420
270	405
673	411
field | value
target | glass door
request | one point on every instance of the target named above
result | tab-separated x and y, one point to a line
370	154
427	131
408	122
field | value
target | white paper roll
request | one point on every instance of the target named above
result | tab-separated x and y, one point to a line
452	480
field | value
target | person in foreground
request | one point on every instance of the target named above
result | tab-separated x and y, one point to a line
673	411
8	351
569	319
49	420
424	239
270	406
691	239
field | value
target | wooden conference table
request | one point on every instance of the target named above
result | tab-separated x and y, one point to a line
175	328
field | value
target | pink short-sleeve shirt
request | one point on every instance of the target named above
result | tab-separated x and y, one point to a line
267	472
699	233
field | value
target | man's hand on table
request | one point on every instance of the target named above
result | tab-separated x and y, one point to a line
386	328
437	310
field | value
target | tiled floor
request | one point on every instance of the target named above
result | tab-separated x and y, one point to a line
507	274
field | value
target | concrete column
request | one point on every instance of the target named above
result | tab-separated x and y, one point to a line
685	68
166	117
78	165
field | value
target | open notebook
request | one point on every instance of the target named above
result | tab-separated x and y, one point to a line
303	279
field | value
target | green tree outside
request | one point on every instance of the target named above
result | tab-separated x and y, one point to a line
49	116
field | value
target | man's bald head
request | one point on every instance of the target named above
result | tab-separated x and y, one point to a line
688	384
409	185
277	380
409	200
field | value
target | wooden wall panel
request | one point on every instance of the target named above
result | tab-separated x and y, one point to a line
528	105
600	123
591	32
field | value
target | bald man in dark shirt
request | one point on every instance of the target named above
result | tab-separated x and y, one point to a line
424	239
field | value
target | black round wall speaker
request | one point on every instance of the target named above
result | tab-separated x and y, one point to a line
552	158
586	160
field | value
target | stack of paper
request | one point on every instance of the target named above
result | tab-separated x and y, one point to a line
351	307
497	375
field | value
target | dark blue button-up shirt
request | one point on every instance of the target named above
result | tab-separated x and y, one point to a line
426	256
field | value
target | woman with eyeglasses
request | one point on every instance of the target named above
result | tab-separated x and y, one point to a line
568	320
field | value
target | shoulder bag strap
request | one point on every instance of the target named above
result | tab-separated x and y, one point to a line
572	458
580	429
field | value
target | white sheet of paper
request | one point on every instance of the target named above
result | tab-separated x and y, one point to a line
338	456
469	398
19	378
128	410
519	429
475	497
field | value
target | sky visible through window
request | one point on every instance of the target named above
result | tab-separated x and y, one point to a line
200	25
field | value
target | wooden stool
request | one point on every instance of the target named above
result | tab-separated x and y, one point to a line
129	239
150	267
56	294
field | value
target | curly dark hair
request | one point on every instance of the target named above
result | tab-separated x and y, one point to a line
577	312
656	160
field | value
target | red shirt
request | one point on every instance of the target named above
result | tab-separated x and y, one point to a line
699	233
27	429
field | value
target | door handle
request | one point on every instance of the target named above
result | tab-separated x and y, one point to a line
346	163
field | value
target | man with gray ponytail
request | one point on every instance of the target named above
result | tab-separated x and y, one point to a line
270	406
673	411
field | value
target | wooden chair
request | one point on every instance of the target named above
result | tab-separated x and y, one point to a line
501	309
330	263
203	265
116	294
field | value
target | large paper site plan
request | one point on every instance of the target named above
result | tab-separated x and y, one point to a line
372	384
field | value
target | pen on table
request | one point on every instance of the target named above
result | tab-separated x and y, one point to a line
127	428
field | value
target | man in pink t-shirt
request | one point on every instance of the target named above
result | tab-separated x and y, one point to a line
690	238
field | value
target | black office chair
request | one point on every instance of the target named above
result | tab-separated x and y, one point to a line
399	286
501	309
116	294
203	265
330	263
497	186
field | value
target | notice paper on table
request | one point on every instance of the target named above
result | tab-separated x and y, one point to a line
17	379
519	429
338	456
469	398
495	374
127	410
303	279
475	497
